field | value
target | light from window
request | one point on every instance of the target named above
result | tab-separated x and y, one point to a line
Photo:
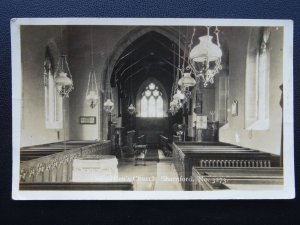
257	84
53	101
223	99
151	102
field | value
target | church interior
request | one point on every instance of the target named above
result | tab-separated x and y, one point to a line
151	108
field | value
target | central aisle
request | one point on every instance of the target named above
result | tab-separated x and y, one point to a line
154	176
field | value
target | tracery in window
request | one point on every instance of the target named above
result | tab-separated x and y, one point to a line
152	102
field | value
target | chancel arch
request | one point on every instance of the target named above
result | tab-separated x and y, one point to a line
142	52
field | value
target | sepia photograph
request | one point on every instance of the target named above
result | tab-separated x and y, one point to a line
152	109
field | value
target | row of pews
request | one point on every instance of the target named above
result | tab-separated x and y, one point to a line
50	163
50	166
34	152
251	178
198	162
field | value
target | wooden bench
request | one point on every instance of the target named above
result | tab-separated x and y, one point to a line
108	186
140	153
34	152
209	179
209	154
164	142
50	163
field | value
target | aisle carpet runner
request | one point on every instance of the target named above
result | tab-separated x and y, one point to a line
151	155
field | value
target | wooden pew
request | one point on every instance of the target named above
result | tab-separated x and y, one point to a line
209	179
34	152
164	142
37	152
141	140
68	186
50	163
186	155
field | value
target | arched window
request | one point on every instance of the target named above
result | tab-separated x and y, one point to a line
53	101
257	81
152	102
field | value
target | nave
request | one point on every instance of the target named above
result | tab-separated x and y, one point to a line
150	108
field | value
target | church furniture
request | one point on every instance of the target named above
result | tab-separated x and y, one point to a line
211	133
164	141
140	140
176	138
133	150
251	178
127	151
189	154
139	152
81	186
140	149
55	165
95	168
119	136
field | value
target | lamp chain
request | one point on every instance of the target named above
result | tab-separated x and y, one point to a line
92	48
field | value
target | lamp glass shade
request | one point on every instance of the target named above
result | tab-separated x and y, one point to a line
187	80
131	109
108	103
206	50
92	96
178	95
63	80
173	103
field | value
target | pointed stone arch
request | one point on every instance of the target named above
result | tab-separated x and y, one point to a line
132	36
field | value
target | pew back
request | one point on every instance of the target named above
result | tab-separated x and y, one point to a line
208	179
82	186
52	166
216	154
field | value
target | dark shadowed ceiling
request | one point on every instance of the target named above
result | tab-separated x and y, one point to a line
152	55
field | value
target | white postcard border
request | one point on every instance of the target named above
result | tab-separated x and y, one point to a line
288	191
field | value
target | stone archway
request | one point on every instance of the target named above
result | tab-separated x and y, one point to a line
125	41
129	38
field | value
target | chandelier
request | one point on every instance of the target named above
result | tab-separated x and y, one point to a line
92	93
205	58
108	105
186	81
131	109
63	77
64	83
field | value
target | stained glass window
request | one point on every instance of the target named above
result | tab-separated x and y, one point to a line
152	102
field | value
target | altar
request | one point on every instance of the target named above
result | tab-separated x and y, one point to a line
95	168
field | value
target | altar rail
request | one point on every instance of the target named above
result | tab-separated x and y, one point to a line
57	167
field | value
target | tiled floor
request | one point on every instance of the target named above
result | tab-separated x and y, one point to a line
154	176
